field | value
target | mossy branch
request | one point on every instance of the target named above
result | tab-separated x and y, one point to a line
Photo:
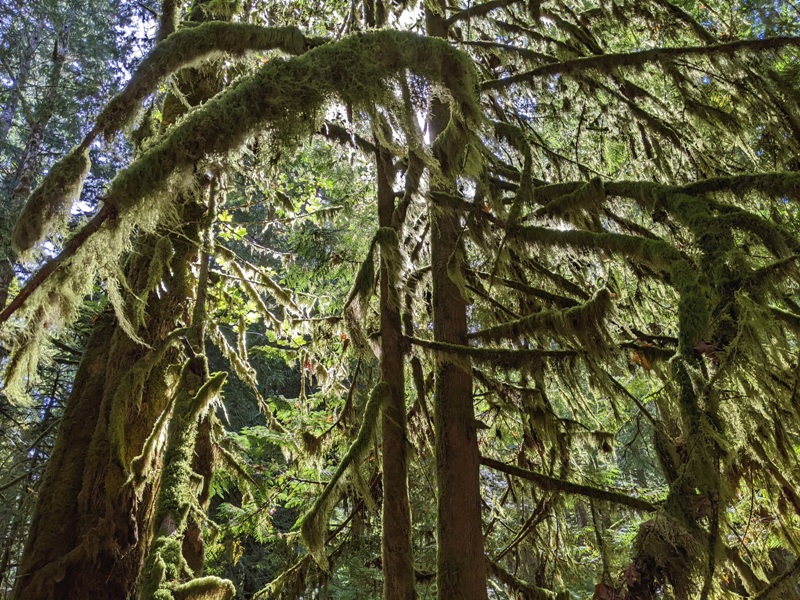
606	62
187	47
499	357
581	323
287	98
48	206
313	525
548	483
528	590
693	310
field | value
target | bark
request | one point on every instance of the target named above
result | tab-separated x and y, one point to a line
91	528
398	562
461	566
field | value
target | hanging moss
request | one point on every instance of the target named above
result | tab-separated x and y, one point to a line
581	324
498	357
694	314
666	552
186	48
286	97
314	524
47	209
455	272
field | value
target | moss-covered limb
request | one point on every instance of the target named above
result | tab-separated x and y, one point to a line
313	525
499	357
525	53
48	206
287	97
168	19
778	584
340	134
187	47
204	588
646	193
549	297
589	195
520	586
548	483
693	311
576	323
478	10
607	62
790	318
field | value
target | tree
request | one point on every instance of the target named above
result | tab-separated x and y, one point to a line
593	226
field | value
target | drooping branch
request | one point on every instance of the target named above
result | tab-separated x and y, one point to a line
287	98
189	46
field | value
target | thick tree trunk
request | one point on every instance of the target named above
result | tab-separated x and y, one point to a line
92	528
461	566
398	561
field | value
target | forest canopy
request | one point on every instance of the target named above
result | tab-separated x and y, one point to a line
400	300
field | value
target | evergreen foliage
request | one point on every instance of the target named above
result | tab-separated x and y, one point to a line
605	192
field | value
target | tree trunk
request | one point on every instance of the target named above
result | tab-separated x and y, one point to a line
8	114
25	173
398	561
92	528
461	566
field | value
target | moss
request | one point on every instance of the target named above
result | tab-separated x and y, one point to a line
666	552
314	524
582	324
455	272
392	258
694	314
287	97
498	357
187	47
177	497
205	588
47	208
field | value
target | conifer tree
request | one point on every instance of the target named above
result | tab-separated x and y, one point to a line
594	240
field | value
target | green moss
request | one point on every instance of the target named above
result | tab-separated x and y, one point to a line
187	47
314	524
288	97
205	588
581	324
694	313
47	208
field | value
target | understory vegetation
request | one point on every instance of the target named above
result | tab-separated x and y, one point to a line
400	300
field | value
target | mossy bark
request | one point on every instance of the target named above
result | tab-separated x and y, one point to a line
398	561
461	566
91	528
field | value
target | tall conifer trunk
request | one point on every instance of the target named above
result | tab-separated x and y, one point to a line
398	562
91	528
460	564
93	524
